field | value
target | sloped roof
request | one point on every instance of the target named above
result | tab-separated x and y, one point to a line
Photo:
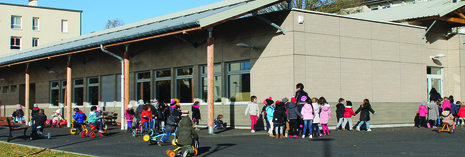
203	16
413	11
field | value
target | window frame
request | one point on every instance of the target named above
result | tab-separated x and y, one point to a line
141	81
203	74
54	88
177	77
16	44
229	73
64	26
35	44
74	93
16	88
14	21
7	88
93	85
35	20
157	79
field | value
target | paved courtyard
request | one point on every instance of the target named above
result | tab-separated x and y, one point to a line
407	141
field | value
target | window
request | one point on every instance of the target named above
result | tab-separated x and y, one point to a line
63	92
92	90
16	22
239	81
143	86
78	93
216	83
5	89
163	85
385	6
15	43
35	42
35	23
54	93
13	88
184	87
64	26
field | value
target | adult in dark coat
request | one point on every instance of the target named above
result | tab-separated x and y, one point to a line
434	93
365	110
138	112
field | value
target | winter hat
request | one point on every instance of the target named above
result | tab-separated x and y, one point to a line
303	98
349	103
269	102
130	106
293	100
173	102
98	108
284	100
20	107
277	101
35	105
57	111
155	101
423	103
265	101
140	102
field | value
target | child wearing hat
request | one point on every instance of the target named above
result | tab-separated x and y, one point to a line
56	117
18	115
35	110
129	115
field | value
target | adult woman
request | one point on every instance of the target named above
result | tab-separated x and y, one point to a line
365	110
433	112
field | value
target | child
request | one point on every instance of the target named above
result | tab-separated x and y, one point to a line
196	114
340	112
129	114
325	115
446	103
348	113
422	111
219	122
35	110
269	115
252	109
94	119
79	117
38	120
145	116
18	115
448	118
171	125
307	116
316	119
56	117
185	135
138	111
292	117
286	106
279	117
365	110
461	114
264	115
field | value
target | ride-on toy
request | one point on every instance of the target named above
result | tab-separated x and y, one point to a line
177	151
155	139
447	128
39	134
91	133
140	129
74	130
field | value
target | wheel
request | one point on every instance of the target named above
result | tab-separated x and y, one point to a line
92	134
439	130
195	151
105	127
72	131
172	154
101	134
153	142
168	152
85	130
105	131
146	138
134	133
83	134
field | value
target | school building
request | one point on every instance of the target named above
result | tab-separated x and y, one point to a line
165	57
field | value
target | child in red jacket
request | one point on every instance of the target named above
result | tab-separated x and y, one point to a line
461	115
348	113
145	117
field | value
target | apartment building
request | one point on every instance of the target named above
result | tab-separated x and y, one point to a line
26	26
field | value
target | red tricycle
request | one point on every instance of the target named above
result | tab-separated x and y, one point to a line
91	133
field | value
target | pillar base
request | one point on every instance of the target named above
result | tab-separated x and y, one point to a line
210	130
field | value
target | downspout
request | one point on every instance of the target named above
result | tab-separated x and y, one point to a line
122	83
80	28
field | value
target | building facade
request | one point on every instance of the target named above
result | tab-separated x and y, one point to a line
27	26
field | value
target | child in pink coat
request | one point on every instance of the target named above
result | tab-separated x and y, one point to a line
325	115
423	111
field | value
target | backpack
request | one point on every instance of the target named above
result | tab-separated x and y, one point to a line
13	114
20	113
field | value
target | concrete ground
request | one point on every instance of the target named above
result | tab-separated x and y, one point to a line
404	141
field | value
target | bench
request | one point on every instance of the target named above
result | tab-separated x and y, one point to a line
110	116
6	123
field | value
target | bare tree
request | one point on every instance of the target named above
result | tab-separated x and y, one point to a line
328	6
114	23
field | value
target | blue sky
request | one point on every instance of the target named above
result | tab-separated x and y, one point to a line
97	12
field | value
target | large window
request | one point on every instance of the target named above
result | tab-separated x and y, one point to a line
239	81
5	89
35	42
143	86
35	23
216	83
16	22
163	85
184	86
15	43
13	89
64	26
92	91
54	93
63	92
78	93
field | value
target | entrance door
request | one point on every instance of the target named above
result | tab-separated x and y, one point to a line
434	79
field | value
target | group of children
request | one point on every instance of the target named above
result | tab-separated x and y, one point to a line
303	113
440	111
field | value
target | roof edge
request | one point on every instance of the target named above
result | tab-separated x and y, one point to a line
355	18
40	7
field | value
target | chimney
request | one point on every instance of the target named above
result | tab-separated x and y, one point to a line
32	3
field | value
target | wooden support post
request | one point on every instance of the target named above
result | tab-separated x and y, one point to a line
26	93
210	85
126	80
68	92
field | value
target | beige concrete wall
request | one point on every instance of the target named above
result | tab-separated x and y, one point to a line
49	25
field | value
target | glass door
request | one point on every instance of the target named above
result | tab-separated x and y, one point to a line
434	79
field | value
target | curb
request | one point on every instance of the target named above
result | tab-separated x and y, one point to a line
46	148
334	127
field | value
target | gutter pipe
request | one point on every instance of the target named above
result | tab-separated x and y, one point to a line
122	84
